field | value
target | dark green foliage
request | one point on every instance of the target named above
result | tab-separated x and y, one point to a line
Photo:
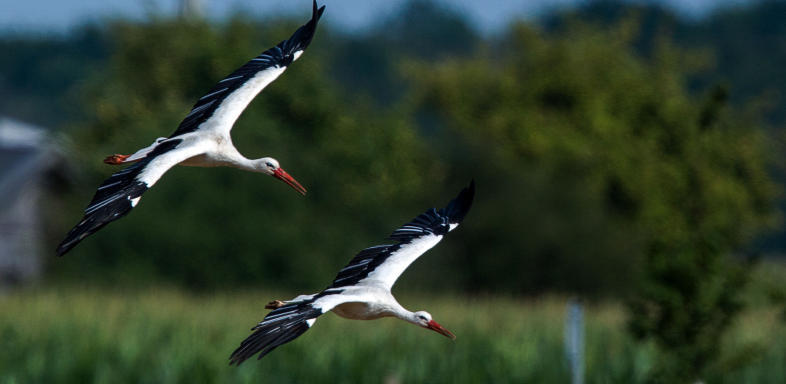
370	64
744	44
613	176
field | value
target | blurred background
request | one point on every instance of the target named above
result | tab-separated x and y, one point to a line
628	159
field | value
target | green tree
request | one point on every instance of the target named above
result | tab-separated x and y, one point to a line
607	175
368	63
38	72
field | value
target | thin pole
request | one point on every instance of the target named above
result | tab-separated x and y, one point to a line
574	340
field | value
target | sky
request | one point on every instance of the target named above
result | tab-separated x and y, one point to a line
350	15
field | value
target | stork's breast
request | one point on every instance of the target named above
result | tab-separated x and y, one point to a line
201	161
360	311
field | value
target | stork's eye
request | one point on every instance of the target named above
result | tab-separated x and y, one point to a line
269	164
422	317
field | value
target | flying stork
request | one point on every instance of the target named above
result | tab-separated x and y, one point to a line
202	139
361	291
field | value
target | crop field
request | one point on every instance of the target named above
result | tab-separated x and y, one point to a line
164	335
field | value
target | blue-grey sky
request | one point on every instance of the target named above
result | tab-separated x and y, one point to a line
487	15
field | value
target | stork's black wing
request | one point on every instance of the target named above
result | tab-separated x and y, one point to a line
222	105
284	324
121	192
383	264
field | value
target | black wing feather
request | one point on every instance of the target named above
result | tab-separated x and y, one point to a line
430	222
437	222
458	207
362	264
280	326
112	200
279	56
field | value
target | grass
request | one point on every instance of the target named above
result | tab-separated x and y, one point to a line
163	335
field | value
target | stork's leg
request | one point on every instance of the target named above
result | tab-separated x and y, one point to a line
275	304
116	159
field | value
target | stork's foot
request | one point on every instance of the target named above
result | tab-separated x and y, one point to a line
275	304
116	159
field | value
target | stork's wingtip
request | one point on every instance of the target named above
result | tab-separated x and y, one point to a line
468	193
317	12
459	206
63	248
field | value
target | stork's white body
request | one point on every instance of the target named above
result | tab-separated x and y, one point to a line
360	303
371	304
217	150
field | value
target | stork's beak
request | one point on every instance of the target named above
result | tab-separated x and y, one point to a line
434	326
284	176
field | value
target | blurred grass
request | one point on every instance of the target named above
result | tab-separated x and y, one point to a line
166	335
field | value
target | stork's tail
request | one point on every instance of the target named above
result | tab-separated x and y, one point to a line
118	159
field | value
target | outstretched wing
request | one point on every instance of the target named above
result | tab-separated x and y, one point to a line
222	105
120	192
286	323
381	265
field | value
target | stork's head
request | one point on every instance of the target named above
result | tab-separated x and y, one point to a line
423	319
270	166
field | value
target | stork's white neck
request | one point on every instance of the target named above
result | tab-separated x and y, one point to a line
396	310
253	165
410	317
241	162
230	156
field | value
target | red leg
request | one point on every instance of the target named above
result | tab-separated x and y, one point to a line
274	304
116	159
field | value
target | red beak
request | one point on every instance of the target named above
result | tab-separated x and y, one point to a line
284	176
434	326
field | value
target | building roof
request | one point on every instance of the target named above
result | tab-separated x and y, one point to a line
23	154
14	134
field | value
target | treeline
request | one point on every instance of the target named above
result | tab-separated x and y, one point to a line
587	144
740	47
586	153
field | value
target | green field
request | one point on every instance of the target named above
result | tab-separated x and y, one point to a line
158	335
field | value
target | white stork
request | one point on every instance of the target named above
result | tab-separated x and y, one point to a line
361	291
202	139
